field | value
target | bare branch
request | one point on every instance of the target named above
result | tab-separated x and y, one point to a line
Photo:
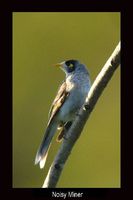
74	132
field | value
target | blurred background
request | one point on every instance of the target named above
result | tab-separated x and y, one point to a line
39	41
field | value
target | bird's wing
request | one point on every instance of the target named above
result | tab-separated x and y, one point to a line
60	98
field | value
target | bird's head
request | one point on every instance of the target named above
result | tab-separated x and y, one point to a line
70	66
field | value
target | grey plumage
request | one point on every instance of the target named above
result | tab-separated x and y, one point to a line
70	97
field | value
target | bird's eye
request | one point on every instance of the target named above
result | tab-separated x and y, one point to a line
71	65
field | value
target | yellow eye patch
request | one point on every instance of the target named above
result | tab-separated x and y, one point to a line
71	65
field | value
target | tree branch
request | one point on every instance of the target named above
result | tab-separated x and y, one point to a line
75	130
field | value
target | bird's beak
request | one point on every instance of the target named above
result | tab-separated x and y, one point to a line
58	65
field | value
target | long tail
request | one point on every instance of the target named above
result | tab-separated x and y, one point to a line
42	152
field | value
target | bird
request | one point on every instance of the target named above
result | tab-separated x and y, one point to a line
70	98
